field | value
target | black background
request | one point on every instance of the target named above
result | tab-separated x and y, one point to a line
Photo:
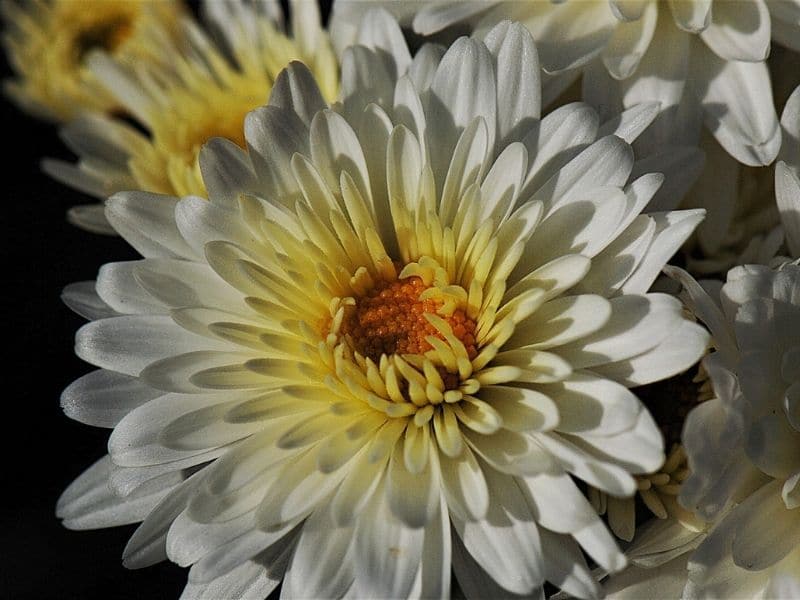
43	450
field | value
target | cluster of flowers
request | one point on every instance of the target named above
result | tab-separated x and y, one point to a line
391	321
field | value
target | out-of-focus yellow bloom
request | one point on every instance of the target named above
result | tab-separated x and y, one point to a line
48	43
208	84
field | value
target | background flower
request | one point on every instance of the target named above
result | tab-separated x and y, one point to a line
49	42
703	61
204	90
755	327
741	446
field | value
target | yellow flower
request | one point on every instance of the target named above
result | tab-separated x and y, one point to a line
49	42
206	91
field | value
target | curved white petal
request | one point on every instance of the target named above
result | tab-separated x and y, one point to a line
739	109
739	32
102	398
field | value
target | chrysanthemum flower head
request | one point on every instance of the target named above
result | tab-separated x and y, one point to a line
50	41
742	447
703	61
396	330
204	90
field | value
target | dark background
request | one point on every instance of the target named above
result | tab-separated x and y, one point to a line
43	450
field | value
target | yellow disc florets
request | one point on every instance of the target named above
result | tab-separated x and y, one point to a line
390	319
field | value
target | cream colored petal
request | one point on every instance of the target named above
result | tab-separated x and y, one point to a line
787	196
88	503
766	530
566	567
506	544
516	65
562	135
585	225
661	75
302	489
561	321
322	563
118	287
774	446
227	171
148	543
637	582
693	16
569	35
335	147
434	17
413	496
672	230
617	262
630	122
464	485
639	450
630	41
637	324
591	405
557	503
462	90
676	353
189	540
739	109
102	398
510	452
585	465
295	89
273	135
606	163
147	222
739	32
387	551
436	563
522	409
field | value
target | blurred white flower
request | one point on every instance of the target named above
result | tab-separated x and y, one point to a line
703	61
203	89
743	448
757	326
49	42
390	338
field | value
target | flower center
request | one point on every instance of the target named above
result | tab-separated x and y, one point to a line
404	342
390	319
105	35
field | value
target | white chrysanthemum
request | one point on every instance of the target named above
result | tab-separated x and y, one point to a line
389	339
702	60
745	225
205	90
760	314
49	41
743	447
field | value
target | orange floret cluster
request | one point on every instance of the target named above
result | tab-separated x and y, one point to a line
390	319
